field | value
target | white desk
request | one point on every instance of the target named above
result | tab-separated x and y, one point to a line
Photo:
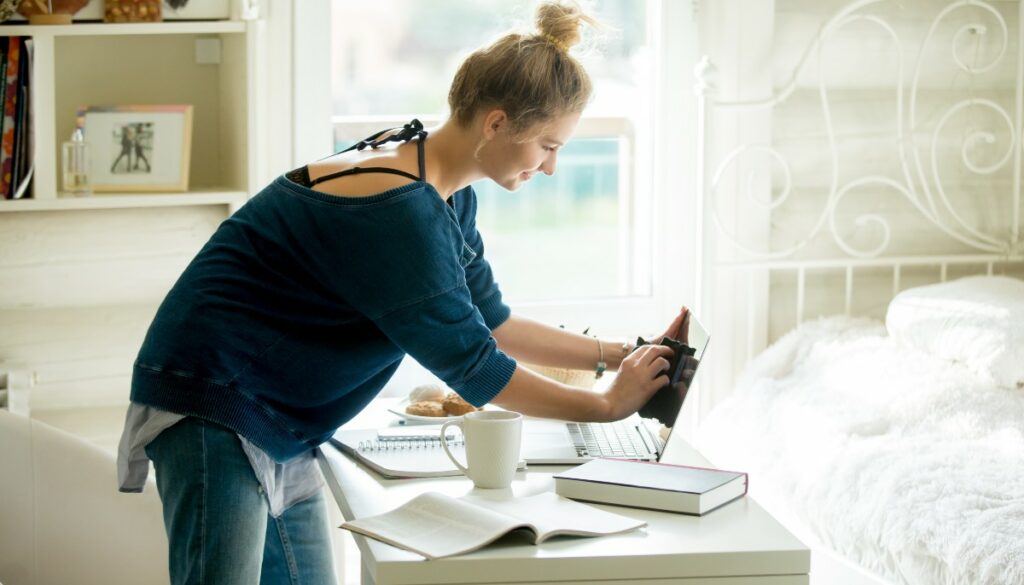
738	544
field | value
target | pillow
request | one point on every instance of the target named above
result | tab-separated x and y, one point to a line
977	320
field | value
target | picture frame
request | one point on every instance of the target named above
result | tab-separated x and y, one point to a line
138	148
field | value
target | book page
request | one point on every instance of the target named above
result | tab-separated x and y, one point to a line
435	525
550	515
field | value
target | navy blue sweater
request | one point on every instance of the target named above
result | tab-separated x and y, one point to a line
301	306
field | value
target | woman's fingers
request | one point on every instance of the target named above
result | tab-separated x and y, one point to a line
652	361
684	328
648	353
652	351
658	365
640	376
678	326
645	363
675	327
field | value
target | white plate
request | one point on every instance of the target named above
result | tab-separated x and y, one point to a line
399	410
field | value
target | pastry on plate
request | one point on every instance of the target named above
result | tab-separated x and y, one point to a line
426	408
454	405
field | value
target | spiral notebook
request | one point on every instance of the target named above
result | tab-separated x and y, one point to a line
405	452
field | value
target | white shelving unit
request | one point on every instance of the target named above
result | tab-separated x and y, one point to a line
128	28
147	63
233	199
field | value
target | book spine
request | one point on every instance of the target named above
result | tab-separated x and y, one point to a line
20	122
3	96
633	497
27	143
10	82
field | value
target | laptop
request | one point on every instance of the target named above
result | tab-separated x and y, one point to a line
551	442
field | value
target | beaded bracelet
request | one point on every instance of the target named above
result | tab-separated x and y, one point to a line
601	365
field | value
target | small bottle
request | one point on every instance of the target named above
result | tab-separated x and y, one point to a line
76	165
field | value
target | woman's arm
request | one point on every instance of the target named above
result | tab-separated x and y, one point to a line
536	343
640	372
640	376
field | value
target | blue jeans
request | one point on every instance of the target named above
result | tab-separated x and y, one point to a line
219	527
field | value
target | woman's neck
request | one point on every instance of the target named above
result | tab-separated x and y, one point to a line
451	160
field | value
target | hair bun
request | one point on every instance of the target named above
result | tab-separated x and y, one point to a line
561	20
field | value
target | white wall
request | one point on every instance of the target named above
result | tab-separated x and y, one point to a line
78	289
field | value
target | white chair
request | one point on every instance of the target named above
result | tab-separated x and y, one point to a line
62	519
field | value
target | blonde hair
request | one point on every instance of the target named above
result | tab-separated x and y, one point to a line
532	77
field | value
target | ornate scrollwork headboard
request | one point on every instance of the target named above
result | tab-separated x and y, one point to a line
920	181
949	100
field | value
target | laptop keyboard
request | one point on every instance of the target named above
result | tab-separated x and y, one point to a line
607	440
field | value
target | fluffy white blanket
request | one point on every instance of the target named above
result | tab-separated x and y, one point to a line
903	462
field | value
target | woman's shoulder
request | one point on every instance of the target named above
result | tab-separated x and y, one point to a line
464	203
364	173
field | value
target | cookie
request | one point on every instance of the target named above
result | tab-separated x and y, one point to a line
454	405
426	408
431	392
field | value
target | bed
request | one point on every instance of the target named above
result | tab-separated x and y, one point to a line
847	218
909	464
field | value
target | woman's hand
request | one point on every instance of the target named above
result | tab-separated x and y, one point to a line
641	374
680	327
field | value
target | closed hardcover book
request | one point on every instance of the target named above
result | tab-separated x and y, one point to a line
657	486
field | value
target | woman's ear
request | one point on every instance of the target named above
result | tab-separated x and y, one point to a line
493	122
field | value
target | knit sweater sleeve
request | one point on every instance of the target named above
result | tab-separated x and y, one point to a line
479	276
446	334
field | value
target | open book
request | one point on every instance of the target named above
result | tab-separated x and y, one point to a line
435	525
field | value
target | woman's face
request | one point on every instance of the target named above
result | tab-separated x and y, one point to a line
510	162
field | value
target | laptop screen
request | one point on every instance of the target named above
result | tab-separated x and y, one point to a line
665	405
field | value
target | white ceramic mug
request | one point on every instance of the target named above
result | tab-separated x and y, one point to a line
493	439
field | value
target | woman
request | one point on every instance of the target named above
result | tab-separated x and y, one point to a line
302	304
127	140
140	148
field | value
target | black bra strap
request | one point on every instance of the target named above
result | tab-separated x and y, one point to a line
421	157
408	132
357	170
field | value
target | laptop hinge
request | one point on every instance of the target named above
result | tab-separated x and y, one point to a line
648	439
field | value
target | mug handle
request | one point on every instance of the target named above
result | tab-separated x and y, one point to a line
444	443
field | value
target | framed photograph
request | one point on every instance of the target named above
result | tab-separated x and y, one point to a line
138	148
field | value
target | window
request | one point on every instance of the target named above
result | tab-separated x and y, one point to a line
580	234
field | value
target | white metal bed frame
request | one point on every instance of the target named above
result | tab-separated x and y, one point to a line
920	185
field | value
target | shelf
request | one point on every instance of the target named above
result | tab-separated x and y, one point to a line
124	201
132	28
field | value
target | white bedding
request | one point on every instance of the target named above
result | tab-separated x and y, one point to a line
977	320
906	463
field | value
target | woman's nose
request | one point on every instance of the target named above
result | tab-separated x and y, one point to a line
548	166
